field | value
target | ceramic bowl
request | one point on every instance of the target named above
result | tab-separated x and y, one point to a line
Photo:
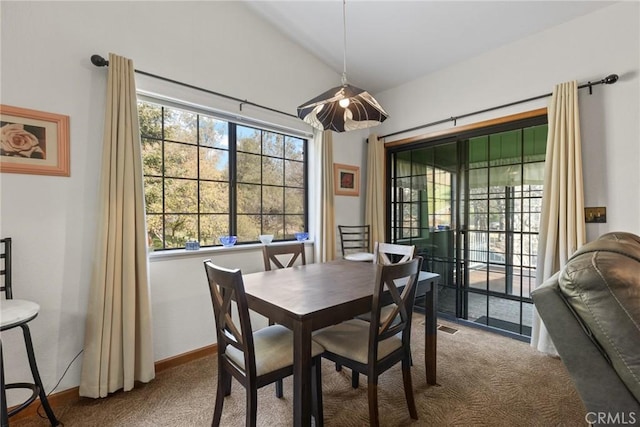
228	241
302	235
266	238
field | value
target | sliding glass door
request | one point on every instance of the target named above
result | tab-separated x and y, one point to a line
471	205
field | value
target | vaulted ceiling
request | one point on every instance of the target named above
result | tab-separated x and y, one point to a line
389	43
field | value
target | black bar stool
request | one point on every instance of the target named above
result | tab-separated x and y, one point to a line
16	313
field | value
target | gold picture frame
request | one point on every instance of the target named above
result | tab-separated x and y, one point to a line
33	142
346	180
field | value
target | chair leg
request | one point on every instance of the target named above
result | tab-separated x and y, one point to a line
338	367
221	392
316	384
3	396
279	392
224	379
372	394
355	379
252	405
408	387
36	376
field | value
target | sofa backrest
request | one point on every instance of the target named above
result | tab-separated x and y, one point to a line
601	282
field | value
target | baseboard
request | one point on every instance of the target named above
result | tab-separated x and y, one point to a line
72	395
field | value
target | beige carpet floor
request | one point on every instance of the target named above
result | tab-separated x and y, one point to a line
484	379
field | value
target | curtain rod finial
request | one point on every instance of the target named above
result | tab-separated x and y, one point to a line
99	61
610	79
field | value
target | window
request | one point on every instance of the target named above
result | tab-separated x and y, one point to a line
205	177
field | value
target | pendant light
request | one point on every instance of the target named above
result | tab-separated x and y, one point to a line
343	108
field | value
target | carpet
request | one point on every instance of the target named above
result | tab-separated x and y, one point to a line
484	379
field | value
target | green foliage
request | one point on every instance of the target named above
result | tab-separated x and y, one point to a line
187	179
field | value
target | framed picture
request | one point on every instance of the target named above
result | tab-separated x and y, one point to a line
346	180
33	142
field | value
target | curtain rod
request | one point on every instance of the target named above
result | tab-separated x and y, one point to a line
609	80
99	61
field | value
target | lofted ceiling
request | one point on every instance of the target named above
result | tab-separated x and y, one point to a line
393	42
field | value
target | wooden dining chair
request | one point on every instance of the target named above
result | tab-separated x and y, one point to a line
388	253
391	253
371	348
354	238
257	358
272	255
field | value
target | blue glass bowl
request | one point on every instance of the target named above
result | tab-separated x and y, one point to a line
228	241
302	235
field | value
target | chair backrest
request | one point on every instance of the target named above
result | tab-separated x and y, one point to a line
5	269
227	290
354	238
400	281
391	253
291	253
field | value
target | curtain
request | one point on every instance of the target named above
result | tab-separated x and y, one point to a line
325	243
374	201
562	229
118	348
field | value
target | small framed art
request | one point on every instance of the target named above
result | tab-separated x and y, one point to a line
346	180
33	142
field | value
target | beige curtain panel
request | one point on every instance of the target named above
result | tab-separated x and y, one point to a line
325	245
118	348
562	229
374	201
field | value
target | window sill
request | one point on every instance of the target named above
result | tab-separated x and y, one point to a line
208	251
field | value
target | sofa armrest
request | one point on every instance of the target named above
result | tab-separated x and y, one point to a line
598	384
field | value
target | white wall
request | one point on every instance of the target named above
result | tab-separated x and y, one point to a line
45	48
45	66
588	48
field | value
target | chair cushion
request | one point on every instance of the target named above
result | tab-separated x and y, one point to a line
274	349
384	313
601	282
16	312
350	339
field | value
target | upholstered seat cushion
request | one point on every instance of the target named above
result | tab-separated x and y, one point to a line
14	312
273	348
351	339
384	313
601	282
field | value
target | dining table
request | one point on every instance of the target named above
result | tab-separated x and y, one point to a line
309	297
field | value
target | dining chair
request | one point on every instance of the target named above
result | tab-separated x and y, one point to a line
391	253
384	253
272	255
387	253
354	239
17	312
371	348
254	359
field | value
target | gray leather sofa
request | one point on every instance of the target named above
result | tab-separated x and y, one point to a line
591	309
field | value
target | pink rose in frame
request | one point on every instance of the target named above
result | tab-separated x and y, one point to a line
33	142
15	140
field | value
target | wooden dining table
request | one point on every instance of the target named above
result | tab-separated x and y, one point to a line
310	297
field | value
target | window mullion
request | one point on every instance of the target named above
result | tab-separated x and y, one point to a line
233	180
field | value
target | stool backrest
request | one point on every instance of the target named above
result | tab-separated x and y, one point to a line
5	271
354	238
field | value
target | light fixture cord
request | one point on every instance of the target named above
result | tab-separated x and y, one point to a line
344	32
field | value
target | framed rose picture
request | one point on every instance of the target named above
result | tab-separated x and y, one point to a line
33	142
346	180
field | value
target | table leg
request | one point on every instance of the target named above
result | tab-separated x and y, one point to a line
431	331
301	374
